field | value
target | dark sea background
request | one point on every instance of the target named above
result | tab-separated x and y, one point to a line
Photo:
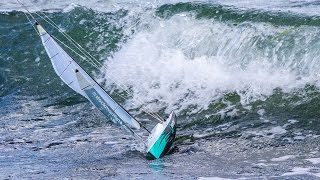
242	76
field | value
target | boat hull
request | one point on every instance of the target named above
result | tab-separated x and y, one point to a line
161	138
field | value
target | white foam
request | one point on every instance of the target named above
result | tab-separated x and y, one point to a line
292	121
301	171
309	7
277	130
261	164
68	5
299	137
197	135
298	7
217	178
183	62
314	160
37	59
297	171
261	112
283	158
269	133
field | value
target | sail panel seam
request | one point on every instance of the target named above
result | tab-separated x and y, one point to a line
54	55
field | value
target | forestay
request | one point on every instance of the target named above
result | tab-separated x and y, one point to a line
69	71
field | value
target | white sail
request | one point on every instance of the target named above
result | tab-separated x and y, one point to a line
77	79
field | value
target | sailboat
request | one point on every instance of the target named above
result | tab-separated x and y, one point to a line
159	140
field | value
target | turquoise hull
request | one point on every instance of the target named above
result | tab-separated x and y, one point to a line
164	141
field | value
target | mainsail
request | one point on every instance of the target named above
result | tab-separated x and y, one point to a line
76	78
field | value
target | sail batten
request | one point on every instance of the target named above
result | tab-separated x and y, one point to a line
76	78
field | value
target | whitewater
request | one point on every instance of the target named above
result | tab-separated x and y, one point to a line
242	76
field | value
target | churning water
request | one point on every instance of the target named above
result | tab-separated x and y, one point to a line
242	76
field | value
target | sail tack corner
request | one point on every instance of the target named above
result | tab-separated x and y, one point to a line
40	29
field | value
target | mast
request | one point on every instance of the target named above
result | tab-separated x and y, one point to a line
65	67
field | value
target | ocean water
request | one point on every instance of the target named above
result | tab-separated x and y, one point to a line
242	76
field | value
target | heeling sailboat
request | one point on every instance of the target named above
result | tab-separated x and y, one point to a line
162	135
160	138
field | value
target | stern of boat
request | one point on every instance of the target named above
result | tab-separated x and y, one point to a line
161	138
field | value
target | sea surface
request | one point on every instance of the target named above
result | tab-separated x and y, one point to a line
243	77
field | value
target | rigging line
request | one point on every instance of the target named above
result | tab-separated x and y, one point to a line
31	23
135	105
73	50
52	23
124	88
84	52
79	47
26	9
35	19
64	54
81	56
90	58
4	51
154	115
75	43
143	109
65	44
68	38
141	125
